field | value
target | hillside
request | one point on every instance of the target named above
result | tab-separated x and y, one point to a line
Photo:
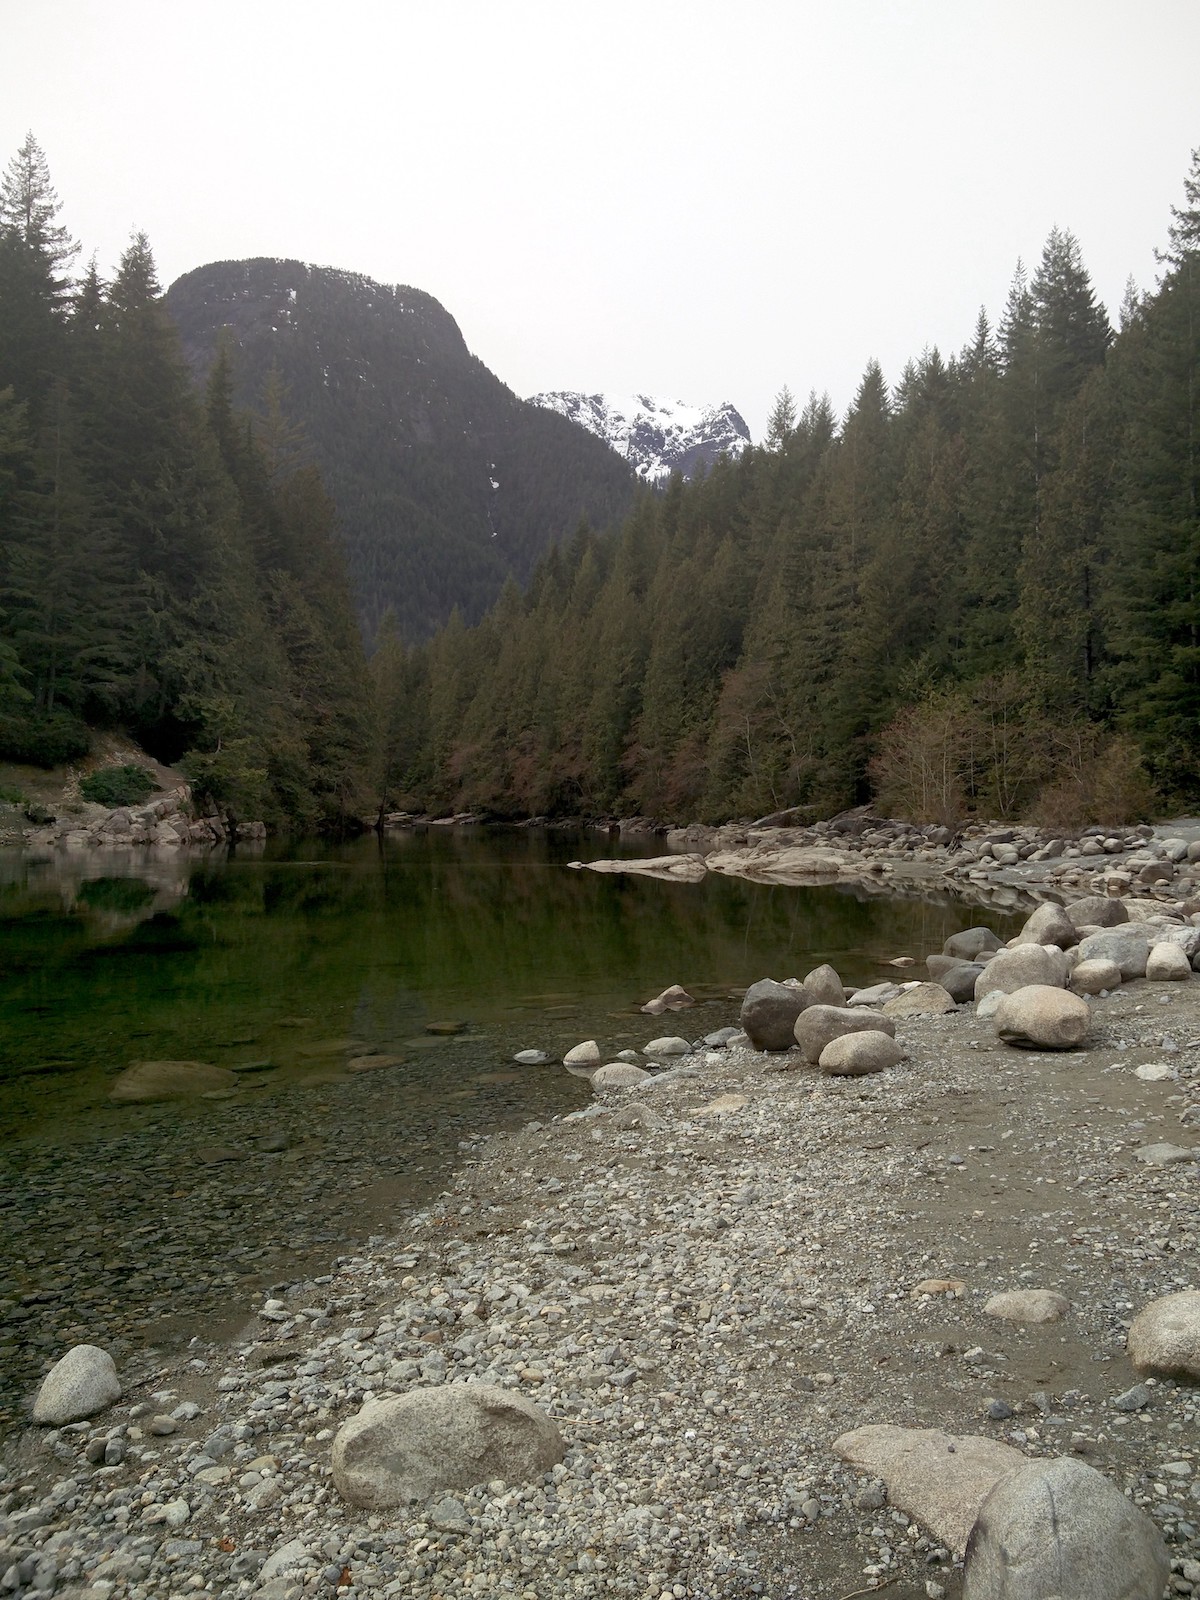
446	483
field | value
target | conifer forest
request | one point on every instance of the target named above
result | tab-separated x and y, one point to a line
974	593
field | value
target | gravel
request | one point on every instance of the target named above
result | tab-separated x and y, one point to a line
703	1297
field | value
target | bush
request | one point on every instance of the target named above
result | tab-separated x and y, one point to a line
1102	781
44	741
118	786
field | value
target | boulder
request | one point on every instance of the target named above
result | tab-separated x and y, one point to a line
1096	977
937	965
1049	924
1042	1017
1164	1337
940	1479
672	1045
959	981
415	1445
1168	963
1028	1305
1059	1528
971	942
923	1000
586	1054
83	1382
987	1007
1097	911
853	1055
617	1075
1127	946
769	1013
673	999
825	987
169	1080
1021	966
818	1025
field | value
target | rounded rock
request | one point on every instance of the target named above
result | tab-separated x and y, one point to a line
78	1386
1096	976
1042	1017
769	1013
419	1444
819	1025
1020	967
1164	1337
853	1055
1060	1528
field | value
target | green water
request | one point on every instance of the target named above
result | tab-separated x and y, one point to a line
139	1226
266	957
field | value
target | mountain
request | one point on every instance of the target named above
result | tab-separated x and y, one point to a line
657	437
445	482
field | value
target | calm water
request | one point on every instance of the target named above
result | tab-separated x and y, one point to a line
137	1225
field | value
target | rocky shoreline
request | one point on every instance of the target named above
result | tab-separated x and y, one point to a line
704	1280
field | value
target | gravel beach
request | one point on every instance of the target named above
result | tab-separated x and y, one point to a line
704	1279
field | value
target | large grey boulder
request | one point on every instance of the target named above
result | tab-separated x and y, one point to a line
940	1479
853	1055
415	1445
1059	1530
1097	911
818	1025
1019	967
1128	946
825	987
1049	924
170	1080
82	1383
769	1013
1042	1017
586	1054
970	943
1164	1337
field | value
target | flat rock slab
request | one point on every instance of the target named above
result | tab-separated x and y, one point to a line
940	1479
676	869
1060	1529
1028	1305
170	1080
722	1104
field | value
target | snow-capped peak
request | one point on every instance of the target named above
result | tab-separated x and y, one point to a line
656	436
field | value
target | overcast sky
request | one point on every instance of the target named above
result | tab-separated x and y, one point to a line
701	199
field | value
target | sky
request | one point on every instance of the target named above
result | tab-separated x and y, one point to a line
700	199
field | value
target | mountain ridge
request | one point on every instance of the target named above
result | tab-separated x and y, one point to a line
446	482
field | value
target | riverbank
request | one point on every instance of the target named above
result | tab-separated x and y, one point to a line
705	1280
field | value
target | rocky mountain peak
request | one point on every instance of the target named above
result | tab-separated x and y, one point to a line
656	436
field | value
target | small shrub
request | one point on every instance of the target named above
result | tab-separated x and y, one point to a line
10	796
44	741
118	786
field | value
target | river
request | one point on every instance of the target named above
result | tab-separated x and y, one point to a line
135	1226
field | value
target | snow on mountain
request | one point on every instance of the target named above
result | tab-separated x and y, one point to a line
657	437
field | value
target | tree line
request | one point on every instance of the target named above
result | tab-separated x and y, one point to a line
168	562
977	592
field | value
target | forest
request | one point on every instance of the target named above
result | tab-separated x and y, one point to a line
975	593
168	564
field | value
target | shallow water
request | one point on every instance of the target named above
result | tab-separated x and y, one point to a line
134	1226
